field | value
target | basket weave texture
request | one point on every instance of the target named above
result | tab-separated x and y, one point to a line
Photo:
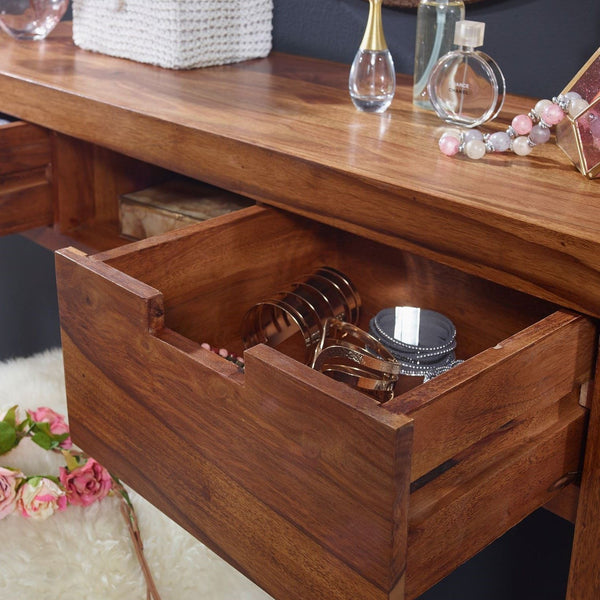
176	34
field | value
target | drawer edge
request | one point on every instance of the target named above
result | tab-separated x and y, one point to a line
535	367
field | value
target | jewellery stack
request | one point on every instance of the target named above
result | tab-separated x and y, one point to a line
315	320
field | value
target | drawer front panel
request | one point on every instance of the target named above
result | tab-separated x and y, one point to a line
25	189
316	489
299	481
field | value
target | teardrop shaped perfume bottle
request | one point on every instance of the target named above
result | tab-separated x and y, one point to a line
372	81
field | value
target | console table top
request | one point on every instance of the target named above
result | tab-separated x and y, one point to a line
283	131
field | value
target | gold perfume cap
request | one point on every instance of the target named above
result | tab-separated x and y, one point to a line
374	38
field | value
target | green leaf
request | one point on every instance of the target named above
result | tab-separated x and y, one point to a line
42	439
8	437
11	416
43	427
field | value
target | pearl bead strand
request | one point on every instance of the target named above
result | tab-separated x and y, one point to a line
524	133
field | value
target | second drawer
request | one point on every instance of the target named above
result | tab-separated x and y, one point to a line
25	188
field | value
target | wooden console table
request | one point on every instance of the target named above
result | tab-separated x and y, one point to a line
310	488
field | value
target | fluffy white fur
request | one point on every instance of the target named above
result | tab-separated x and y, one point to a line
86	553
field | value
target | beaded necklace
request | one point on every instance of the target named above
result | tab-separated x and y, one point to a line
524	133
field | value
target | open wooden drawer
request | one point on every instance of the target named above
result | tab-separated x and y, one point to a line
25	188
311	488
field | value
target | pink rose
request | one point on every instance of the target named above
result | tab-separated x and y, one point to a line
9	480
39	498
56	422
87	483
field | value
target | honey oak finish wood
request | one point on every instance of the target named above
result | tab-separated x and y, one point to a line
328	467
527	222
26	199
283	132
584	575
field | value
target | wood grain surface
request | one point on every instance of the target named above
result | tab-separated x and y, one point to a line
491	487
26	199
283	131
298	481
534	368
584	574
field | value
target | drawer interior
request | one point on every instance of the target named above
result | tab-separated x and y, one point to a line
211	275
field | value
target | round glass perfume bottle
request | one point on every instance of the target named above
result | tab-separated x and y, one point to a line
436	21
466	86
31	19
372	81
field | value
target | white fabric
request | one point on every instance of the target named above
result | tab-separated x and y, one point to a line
177	34
86	553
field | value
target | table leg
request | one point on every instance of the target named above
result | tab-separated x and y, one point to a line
584	575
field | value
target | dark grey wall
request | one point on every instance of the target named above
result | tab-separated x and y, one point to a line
28	306
540	45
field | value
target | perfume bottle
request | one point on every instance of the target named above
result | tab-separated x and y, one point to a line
31	19
436	20
466	86
372	81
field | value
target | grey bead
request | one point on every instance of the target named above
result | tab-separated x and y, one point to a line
539	134
500	141
472	134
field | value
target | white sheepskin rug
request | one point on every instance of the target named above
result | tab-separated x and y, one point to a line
86	553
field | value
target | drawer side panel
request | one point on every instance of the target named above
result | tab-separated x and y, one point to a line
490	488
532	369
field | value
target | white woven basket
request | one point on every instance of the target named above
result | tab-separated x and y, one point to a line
177	34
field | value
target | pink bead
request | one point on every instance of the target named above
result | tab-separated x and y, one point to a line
553	114
449	145
522	124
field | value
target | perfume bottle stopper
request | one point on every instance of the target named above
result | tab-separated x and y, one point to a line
469	33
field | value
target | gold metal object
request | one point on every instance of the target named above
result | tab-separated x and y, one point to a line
381	390
579	136
374	38
414	3
347	353
302	308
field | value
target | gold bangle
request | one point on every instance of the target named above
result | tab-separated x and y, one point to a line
349	354
381	390
339	332
346	353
